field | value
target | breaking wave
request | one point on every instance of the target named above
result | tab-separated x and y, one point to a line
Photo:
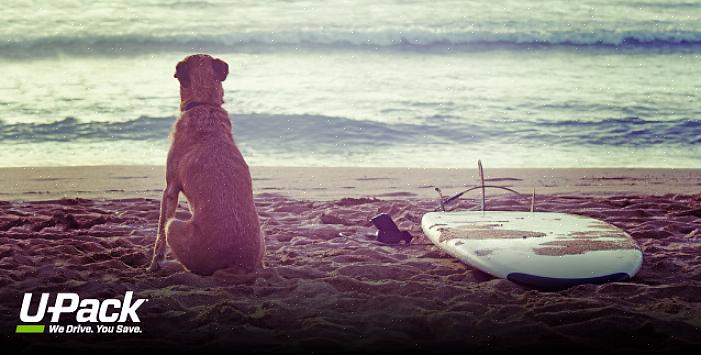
315	130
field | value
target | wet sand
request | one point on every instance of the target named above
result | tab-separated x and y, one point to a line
329	286
110	182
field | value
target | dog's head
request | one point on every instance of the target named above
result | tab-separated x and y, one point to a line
200	78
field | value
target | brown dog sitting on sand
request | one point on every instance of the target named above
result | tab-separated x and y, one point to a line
207	167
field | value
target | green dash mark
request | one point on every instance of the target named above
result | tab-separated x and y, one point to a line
29	329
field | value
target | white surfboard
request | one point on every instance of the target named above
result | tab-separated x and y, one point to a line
539	249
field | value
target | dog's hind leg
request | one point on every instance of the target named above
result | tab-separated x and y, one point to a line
169	203
184	245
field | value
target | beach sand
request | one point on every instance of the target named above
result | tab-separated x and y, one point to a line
328	285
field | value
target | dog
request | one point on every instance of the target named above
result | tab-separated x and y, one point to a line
223	230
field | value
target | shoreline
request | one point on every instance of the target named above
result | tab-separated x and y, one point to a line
329	183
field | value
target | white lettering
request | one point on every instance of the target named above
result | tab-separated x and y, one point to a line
86	310
60	308
39	315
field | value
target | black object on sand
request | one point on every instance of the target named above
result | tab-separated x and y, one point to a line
387	230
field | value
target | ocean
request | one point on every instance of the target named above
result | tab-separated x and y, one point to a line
360	83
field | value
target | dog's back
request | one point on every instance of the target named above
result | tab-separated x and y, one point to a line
217	183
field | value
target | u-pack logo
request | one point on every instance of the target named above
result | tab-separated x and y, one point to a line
87	310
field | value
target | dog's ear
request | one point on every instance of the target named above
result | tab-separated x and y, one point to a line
182	73
221	69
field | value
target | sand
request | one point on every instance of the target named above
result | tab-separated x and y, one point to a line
329	286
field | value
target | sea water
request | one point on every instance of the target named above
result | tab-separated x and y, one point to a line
360	83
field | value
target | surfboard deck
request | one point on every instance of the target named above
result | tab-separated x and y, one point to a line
544	250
